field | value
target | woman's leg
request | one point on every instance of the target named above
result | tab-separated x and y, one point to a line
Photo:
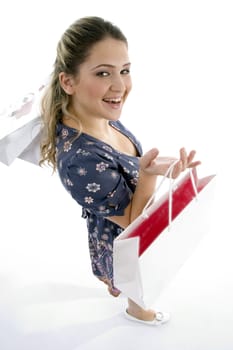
135	311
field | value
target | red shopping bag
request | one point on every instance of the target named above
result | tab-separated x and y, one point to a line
154	220
150	251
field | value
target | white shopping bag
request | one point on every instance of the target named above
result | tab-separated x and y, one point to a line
20	130
22	143
151	250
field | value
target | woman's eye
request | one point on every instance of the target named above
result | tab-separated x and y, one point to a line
125	71
102	74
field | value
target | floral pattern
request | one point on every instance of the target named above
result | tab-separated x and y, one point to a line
101	180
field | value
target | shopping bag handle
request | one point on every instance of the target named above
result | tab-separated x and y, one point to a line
168	174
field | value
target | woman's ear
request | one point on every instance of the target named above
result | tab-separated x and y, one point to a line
67	83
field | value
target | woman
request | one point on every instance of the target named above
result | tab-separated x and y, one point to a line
99	161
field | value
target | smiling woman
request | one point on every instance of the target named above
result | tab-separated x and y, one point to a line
100	89
182	72
99	161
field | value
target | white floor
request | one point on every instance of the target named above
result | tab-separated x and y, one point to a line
50	300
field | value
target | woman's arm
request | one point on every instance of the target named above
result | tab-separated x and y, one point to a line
150	166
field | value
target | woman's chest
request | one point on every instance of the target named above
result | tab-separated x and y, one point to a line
122	143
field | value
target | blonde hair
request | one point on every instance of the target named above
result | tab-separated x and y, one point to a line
72	50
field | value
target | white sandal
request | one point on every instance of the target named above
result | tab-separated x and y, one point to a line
160	318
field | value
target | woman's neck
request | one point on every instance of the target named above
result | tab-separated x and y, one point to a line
99	128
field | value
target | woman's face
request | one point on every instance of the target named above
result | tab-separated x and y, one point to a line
103	82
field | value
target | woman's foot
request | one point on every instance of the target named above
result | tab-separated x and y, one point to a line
112	290
137	313
158	319
141	314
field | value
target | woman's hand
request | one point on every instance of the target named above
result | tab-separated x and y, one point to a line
151	164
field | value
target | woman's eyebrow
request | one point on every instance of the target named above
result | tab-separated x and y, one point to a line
109	65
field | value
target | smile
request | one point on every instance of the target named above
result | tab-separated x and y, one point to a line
112	100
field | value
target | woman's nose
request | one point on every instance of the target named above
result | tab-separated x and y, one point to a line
118	84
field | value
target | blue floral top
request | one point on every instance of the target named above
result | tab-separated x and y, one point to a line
102	180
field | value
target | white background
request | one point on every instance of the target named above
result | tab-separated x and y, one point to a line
181	54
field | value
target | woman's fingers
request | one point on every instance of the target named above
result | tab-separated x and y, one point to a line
191	156
183	158
178	168
148	157
154	165
187	159
152	154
